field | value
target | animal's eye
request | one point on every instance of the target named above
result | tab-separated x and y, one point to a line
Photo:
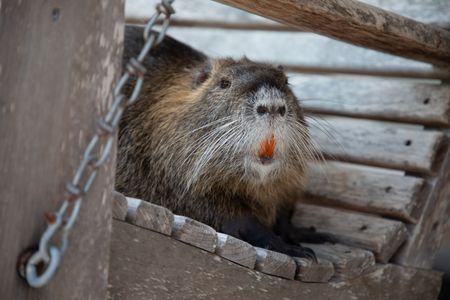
225	83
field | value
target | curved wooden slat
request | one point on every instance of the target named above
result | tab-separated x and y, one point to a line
391	100
383	193
377	143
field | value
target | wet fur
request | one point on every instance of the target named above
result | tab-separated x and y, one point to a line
176	149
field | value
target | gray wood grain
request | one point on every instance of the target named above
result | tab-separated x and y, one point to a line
275	263
360	24
147	265
236	250
150	216
366	189
194	233
55	80
377	143
381	236
119	206
426	236
308	271
349	262
391	100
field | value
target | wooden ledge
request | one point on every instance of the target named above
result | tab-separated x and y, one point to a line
148	265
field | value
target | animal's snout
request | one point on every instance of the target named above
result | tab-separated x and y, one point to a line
272	110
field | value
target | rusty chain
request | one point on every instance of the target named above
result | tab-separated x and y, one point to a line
48	255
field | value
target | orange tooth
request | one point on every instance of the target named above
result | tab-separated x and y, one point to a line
267	147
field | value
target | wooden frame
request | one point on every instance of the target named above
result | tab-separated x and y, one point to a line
58	62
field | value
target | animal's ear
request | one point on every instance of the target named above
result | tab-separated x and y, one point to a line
201	74
245	59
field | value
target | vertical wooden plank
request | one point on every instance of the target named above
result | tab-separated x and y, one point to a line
58	62
426	236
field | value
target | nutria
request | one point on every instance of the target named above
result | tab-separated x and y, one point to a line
222	141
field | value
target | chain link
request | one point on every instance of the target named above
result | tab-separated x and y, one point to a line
102	142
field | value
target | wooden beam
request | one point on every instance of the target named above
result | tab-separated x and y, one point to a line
381	236
358	23
390	100
210	11
370	190
317	54
374	143
426	236
58	62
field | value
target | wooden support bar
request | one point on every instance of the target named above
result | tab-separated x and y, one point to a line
358	23
378	144
381	236
236	250
308	271
426	236
319	55
194	233
391	100
219	24
275	263
58	63
365	189
149	216
348	262
210	11
119	206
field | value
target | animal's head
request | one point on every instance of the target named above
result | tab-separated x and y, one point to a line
244	125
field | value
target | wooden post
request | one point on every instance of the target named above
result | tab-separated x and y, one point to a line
357	23
58	62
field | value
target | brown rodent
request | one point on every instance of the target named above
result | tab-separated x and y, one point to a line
219	140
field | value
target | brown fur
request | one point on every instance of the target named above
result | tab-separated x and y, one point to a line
159	137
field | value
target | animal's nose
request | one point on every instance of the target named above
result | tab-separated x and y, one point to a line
273	110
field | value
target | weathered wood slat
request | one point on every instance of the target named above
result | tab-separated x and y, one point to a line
377	143
236	250
381	236
305	49
275	263
119	206
308	271
148	265
348	262
149	216
375	99
426	236
194	233
360	24
363	189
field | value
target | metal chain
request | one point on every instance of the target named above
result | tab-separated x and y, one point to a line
49	255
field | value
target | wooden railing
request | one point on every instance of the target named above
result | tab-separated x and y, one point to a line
358	23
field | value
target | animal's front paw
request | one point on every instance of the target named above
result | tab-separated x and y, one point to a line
299	251
310	235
